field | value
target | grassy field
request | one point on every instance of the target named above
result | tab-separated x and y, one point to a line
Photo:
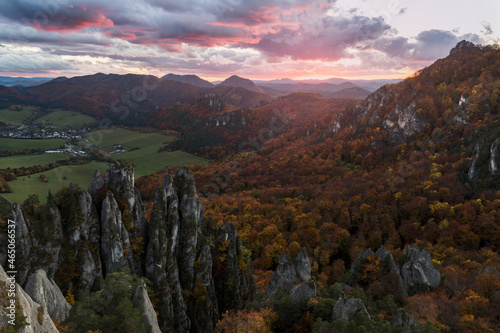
18	161
146	157
16	144
148	160
76	174
67	119
127	138
15	117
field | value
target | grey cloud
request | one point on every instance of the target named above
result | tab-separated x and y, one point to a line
323	37
428	45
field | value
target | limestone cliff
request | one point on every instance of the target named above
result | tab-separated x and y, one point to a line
103	230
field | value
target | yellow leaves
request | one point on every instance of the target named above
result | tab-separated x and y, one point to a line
223	245
427	185
371	270
244	321
70	298
444	224
438	207
471	295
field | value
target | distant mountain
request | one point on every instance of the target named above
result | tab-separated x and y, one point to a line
353	92
333	84
236	81
59	79
125	99
191	79
23	81
327	90
9	96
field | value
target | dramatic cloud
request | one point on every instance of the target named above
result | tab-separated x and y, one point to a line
324	38
428	45
217	38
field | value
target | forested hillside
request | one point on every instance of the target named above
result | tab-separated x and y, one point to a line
416	162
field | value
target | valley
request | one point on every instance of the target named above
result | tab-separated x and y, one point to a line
277	203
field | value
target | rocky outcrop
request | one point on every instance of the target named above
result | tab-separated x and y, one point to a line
303	292
403	319
464	44
233	282
494	156
141	300
418	270
161	264
181	262
293	278
115	243
102	230
46	293
23	243
119	179
37	318
348	309
488	269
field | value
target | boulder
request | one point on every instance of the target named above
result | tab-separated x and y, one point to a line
348	309
46	293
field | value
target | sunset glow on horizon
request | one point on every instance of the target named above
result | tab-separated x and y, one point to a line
259	39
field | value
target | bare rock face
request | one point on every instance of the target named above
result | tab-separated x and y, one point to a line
23	243
119	178
46	293
418	270
161	260
115	243
141	300
347	309
36	315
86	226
180	261
91	269
290	276
304	291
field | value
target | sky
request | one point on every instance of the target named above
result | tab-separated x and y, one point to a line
256	39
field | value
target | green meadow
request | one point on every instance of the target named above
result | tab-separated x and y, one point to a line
18	161
15	117
18	144
145	155
67	119
22	187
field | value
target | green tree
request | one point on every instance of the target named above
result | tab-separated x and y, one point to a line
110	309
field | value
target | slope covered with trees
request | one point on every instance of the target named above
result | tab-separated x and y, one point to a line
415	162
